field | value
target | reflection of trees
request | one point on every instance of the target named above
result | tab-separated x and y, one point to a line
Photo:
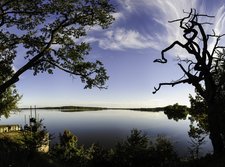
198	122
176	112
198	125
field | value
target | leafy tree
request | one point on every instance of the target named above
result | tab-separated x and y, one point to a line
35	138
198	122
10	97
101	157
132	151
197	136
198	112
8	101
69	153
203	70
48	35
176	111
138	150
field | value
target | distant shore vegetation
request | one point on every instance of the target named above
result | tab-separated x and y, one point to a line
85	108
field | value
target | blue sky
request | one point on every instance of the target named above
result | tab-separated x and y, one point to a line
127	49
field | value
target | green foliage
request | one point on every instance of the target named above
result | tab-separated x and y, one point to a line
197	136
101	157
11	153
35	137
219	78
48	35
176	111
205	71
164	153
198	125
198	112
10	97
49	32
16	153
135	151
67	148
8	101
68	152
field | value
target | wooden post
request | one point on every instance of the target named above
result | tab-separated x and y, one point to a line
35	112
31	111
25	119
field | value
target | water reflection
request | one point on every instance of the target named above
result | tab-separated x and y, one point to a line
108	126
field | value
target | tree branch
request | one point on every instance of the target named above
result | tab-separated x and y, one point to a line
171	84
163	59
28	65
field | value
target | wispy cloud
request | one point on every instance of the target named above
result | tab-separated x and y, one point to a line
128	5
161	11
219	26
166	11
122	37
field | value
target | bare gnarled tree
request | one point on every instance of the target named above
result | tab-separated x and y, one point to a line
202	70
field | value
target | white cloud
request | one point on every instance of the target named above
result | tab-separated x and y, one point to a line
118	15
219	23
167	11
219	26
127	4
173	9
121	39
161	11
96	28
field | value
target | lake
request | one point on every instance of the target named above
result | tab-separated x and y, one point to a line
109	126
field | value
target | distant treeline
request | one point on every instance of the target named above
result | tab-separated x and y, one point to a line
156	109
83	108
79	108
69	108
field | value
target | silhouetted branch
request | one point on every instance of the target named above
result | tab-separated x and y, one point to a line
202	15
194	17
171	84
163	59
215	47
191	30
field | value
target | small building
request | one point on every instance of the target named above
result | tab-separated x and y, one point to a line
9	128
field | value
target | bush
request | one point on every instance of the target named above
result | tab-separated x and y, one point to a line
68	153
138	150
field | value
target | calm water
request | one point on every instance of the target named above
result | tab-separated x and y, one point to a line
109	126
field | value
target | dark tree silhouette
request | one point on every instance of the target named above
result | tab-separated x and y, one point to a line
46	34
203	70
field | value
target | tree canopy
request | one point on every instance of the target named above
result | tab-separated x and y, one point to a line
204	69
48	35
176	112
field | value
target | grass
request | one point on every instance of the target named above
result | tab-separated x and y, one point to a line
15	136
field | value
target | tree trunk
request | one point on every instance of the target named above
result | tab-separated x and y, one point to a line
7	84
215	129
